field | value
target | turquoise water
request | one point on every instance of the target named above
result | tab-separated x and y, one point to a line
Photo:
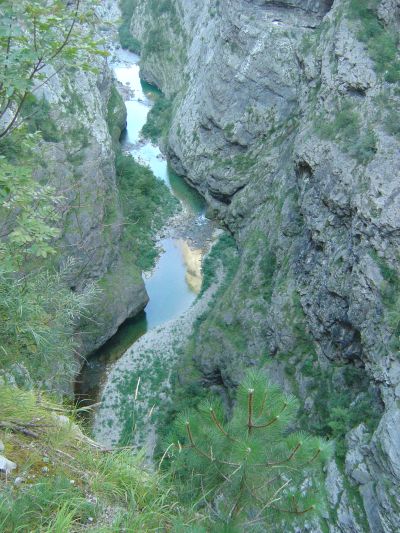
170	285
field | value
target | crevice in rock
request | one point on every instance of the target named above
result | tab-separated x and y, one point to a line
347	338
224	197
214	378
303	171
318	7
357	92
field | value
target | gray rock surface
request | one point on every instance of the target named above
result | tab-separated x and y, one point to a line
286	123
81	167
6	466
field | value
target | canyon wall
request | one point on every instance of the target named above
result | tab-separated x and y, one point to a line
285	119
87	115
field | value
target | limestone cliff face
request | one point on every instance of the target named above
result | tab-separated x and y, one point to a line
285	119
85	107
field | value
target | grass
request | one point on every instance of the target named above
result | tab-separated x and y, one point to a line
69	483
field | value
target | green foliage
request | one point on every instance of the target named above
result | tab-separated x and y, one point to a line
165	34
391	117
125	37
146	203
249	470
161	7
390	293
33	36
243	162
69	483
346	128
341	408
38	312
156	43
28	210
220	254
346	123
392	123
158	119
380	41
36	114
364	147
37	309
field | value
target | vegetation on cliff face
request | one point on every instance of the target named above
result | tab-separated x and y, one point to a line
158	119
146	204
125	37
382	43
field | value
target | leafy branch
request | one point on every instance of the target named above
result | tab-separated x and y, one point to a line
62	36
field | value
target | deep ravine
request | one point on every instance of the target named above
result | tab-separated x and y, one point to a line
172	285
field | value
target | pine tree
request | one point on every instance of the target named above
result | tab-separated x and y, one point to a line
250	470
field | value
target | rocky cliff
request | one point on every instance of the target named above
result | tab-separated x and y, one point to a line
285	118
87	115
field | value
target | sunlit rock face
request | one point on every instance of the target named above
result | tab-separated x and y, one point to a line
285	121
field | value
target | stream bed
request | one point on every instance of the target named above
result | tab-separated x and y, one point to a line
174	283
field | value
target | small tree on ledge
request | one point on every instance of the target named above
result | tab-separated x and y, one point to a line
250	471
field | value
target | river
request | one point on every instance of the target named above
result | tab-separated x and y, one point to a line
175	281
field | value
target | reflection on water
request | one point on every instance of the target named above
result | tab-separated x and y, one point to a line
176	280
192	258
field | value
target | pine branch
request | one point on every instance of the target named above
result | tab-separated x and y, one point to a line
293	453
219	426
273	420
295	511
250	411
204	454
262	405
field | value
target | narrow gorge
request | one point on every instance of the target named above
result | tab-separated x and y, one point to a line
284	119
210	191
